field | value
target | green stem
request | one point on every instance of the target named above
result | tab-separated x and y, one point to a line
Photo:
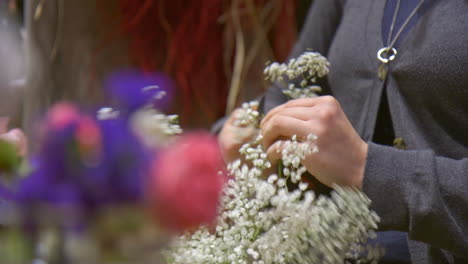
256	233
280	169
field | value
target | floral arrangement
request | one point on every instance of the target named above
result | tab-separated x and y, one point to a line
103	187
125	185
277	218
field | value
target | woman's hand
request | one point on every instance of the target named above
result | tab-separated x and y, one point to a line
233	136
342	153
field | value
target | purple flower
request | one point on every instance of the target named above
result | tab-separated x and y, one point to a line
5	193
87	164
130	90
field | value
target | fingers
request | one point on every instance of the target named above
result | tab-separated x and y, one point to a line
302	103
337	140
301	113
274	152
234	116
282	126
311	102
233	135
301	117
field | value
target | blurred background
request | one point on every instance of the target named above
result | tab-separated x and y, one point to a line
214	51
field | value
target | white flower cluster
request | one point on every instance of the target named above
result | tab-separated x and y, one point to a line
294	92
308	229
263	221
254	152
154	127
308	66
247	115
293	152
237	226
105	113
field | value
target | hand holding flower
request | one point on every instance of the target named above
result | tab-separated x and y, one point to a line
233	136
342	153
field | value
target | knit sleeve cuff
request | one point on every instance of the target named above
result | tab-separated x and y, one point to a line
386	183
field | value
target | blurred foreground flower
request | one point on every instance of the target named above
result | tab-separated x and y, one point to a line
186	183
9	159
131	90
13	138
85	163
84	198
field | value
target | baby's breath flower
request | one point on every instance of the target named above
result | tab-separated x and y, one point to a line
155	128
302	92
248	114
293	152
306	68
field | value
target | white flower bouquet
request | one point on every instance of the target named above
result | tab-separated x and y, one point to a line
277	218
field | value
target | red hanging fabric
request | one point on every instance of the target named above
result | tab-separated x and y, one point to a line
185	40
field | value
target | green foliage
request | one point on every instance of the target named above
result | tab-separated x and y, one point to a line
9	159
14	247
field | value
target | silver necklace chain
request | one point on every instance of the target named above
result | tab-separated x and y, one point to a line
392	25
387	54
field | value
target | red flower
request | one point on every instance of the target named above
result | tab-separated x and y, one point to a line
186	183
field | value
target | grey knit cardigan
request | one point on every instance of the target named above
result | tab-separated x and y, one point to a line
422	190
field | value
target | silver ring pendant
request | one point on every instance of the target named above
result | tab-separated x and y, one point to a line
386	54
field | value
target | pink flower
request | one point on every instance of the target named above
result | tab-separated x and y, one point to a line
62	114
89	138
186	183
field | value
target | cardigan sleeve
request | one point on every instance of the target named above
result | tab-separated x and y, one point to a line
323	19
420	193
